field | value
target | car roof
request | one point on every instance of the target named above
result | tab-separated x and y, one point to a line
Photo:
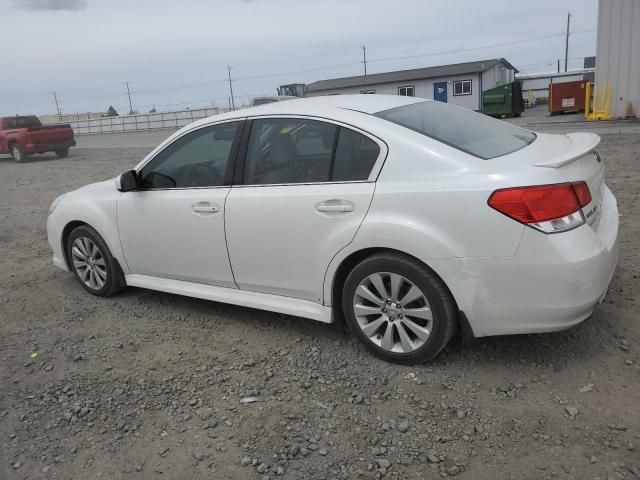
320	105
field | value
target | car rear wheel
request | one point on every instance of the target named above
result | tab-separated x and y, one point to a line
62	153
17	153
92	263
398	308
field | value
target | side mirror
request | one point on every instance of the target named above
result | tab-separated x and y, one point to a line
128	181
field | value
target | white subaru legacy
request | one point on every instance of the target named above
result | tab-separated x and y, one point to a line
407	218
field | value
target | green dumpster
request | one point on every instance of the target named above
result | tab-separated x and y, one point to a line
503	101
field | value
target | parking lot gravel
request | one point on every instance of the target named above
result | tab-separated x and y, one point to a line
150	385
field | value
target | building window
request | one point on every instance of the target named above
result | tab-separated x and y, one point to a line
367	92
462	87
407	91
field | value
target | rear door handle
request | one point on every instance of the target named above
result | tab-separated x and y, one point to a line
205	207
335	206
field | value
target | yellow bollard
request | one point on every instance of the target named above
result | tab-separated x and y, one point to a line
601	103
587	100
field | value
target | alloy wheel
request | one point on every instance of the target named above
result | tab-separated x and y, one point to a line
392	312
89	263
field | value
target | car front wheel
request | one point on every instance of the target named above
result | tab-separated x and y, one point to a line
92	263
398	308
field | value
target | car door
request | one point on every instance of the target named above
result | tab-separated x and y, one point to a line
172	226
299	197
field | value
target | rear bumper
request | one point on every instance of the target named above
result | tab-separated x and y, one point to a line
552	283
48	147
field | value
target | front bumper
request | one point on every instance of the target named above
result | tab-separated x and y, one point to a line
54	235
552	283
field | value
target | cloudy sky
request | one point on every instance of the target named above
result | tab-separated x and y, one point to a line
174	53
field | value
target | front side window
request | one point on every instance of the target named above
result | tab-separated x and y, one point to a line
367	92
462	87
289	151
407	91
198	159
468	131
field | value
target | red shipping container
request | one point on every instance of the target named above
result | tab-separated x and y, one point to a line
567	96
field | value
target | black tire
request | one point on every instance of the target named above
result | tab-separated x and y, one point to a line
114	281
62	153
17	153
441	303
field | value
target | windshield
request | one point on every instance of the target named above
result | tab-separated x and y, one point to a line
460	128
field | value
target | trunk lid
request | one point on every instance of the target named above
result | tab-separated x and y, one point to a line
573	156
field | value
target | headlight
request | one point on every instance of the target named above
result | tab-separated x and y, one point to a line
54	204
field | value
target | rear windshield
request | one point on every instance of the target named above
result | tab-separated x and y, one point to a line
471	132
22	122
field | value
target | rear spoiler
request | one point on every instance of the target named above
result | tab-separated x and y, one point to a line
581	144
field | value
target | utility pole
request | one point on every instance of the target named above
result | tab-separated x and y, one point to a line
364	58
55	97
233	103
129	94
566	43
558	65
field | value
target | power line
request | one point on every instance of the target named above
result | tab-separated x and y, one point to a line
364	61
298	72
183	87
472	49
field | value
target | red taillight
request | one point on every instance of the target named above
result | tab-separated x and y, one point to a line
542	203
583	193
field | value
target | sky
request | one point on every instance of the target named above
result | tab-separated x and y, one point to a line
175	54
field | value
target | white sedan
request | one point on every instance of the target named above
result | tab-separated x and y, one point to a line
407	218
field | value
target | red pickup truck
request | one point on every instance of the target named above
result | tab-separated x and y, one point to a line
22	136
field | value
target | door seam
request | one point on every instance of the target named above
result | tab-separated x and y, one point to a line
226	240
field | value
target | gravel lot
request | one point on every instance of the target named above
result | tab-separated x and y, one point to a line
149	385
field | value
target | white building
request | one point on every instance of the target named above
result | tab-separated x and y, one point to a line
618	54
538	84
461	84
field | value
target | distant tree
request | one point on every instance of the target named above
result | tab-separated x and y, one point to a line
112	112
153	110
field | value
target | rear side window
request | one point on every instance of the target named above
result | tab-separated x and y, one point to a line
471	132
294	150
355	156
289	151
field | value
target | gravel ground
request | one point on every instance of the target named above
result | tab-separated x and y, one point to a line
150	385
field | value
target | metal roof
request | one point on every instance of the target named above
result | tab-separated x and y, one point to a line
406	75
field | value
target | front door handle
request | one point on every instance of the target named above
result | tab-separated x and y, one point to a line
335	206
205	207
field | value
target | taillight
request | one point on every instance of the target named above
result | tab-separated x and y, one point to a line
548	208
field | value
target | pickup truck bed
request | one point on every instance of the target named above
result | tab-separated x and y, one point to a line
24	136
